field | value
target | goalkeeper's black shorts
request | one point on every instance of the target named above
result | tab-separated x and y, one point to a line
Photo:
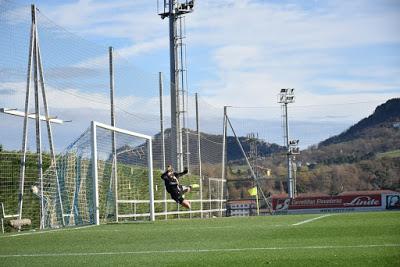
177	193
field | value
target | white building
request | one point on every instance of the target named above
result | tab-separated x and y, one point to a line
241	208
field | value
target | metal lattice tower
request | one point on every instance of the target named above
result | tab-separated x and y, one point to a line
175	11
253	153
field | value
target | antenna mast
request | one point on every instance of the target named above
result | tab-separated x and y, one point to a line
175	11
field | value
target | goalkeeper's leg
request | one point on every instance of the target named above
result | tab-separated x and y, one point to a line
185	203
179	197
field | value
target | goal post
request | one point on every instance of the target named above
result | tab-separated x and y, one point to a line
129	154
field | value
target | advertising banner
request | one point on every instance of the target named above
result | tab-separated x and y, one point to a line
328	203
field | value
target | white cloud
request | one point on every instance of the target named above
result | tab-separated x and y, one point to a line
132	51
133	20
143	47
279	25
360	86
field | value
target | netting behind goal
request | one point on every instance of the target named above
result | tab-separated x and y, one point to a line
10	173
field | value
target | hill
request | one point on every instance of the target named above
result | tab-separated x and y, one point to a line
385	115
364	157
211	147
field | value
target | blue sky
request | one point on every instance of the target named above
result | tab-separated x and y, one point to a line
241	52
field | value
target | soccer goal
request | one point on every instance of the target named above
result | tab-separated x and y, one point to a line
122	172
100	177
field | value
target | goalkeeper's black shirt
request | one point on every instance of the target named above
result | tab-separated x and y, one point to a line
170	182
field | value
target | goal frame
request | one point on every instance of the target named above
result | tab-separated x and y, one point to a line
94	126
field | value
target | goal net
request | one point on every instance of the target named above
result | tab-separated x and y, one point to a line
98	179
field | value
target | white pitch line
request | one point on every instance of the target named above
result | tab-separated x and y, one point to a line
193	251
311	220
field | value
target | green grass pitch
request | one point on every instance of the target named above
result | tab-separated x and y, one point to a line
348	239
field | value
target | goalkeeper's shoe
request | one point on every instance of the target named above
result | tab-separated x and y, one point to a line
194	186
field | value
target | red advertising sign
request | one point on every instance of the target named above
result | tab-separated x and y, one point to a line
327	202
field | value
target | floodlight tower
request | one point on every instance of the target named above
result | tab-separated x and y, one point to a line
175	11
285	97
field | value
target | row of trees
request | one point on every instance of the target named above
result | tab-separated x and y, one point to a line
374	174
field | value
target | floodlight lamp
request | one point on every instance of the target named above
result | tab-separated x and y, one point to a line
293	142
295	151
292	90
186	7
283	90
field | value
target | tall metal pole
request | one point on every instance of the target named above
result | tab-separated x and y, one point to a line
224	132
160	79
288	156
38	127
25	130
199	154
49	130
184	90
161	87
176	132
176	10
114	149
294	177
224	128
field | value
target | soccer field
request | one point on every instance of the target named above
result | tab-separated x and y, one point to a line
351	239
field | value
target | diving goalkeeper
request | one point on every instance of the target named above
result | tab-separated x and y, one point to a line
177	191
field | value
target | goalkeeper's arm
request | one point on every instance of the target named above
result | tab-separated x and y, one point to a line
185	171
